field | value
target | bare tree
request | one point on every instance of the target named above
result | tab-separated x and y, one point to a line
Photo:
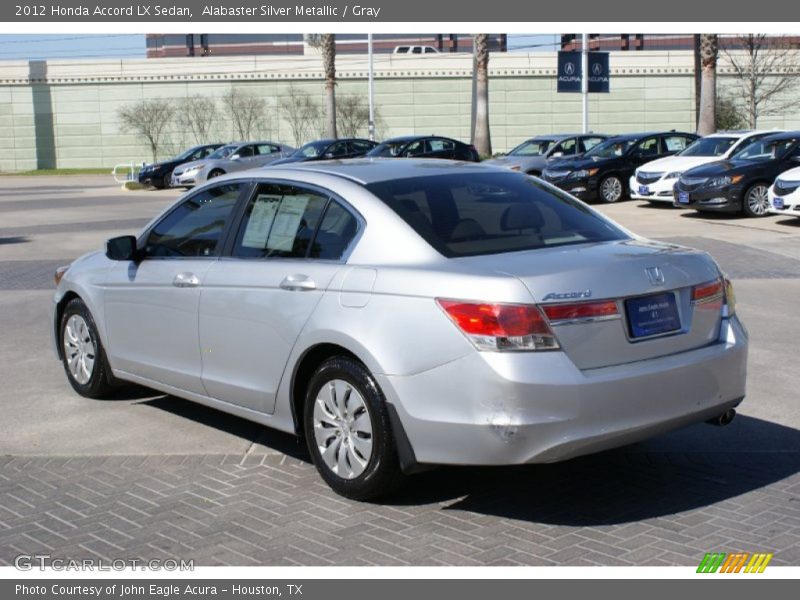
481	136
148	119
709	51
197	116
766	71
301	112
247	113
352	115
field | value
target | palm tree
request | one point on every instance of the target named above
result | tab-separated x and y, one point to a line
480	135
328	48
709	51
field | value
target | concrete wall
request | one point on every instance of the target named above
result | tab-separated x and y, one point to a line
64	113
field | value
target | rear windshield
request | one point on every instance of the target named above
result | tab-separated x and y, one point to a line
491	213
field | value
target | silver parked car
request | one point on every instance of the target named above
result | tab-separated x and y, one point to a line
532	155
236	156
406	313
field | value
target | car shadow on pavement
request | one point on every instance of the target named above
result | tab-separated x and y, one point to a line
233	425
619	486
791	221
16	239
711	216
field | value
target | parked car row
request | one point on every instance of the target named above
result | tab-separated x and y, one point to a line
729	171
201	163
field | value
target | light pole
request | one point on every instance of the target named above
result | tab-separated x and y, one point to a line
371	90
585	80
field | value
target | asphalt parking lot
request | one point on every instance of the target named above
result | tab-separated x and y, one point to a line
151	476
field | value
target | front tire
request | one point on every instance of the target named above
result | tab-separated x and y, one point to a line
611	189
216	173
82	352
756	200
348	431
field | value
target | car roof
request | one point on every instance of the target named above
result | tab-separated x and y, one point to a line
783	135
410	138
638	135
374	170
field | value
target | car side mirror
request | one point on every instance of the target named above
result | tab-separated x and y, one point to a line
236	157
122	248
557	154
329	155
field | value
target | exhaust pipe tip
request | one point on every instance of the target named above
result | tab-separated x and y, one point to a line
723	419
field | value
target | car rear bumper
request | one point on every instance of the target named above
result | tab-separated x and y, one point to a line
516	408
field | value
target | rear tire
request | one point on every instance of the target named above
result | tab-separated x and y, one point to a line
348	431
755	202
82	352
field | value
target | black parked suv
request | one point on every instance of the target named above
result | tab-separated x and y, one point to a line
159	174
741	183
604	171
425	146
328	149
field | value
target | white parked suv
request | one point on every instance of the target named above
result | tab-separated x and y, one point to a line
415	50
654	181
784	194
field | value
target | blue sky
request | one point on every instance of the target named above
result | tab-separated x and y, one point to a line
28	47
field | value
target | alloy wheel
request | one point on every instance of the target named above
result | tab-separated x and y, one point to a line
758	200
79	349
611	189
342	429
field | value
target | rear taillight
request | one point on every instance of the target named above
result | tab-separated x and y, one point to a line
579	311
501	327
708	294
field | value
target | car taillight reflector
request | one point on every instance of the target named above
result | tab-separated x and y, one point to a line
581	310
492	326
707	292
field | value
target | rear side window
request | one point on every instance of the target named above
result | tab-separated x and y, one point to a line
491	213
285	221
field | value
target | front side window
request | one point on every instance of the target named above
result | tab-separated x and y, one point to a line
648	147
610	148
286	221
415	148
566	147
262	149
492	213
532	148
194	228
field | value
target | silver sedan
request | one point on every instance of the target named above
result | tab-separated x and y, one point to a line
407	313
236	156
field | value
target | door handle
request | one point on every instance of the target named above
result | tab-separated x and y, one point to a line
186	280
298	283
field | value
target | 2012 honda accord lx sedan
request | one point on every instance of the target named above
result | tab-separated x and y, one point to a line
407	313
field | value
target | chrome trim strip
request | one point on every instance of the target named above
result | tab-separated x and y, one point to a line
585	320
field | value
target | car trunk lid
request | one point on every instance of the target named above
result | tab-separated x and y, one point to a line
644	278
